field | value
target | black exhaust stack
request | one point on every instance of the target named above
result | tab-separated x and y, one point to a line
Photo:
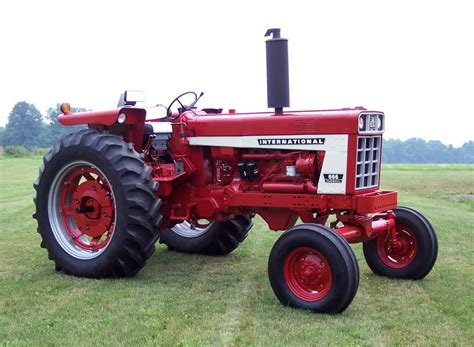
278	86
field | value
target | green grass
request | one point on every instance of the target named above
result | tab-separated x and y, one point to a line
194	300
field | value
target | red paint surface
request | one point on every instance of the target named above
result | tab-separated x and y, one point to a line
308	274
400	252
87	208
211	185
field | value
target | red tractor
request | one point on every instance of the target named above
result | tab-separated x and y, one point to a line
194	178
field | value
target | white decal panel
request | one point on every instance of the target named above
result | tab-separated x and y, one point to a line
333	175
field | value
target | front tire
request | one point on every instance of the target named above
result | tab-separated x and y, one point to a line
214	238
313	268
96	206
414	254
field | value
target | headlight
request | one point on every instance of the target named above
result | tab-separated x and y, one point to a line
379	122
121	118
369	123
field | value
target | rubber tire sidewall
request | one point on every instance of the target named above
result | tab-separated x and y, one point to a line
103	263
341	259
221	239
191	244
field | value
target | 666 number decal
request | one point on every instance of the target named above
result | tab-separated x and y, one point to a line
333	178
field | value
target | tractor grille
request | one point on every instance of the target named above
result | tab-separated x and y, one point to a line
368	161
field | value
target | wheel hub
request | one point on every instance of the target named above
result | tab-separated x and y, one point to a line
191	229
308	274
93	210
400	252
87	208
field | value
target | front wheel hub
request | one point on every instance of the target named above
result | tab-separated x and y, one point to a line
308	274
400	252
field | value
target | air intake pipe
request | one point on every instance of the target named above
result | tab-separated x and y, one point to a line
278	89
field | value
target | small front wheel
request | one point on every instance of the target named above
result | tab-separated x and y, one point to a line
412	255
313	268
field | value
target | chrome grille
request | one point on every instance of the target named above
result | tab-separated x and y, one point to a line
368	161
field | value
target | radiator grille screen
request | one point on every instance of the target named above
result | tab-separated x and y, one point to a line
368	161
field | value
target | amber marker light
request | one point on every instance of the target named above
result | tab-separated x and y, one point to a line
65	108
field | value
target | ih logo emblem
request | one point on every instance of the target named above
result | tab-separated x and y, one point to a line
333	178
372	122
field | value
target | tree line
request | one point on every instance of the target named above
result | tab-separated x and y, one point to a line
28	128
416	150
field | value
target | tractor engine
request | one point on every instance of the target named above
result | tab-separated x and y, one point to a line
282	166
270	171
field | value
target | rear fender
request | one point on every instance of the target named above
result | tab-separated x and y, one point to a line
131	130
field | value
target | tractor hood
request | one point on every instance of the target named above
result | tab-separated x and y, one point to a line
342	121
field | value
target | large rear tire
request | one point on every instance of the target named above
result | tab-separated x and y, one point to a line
414	254
214	238
313	268
96	206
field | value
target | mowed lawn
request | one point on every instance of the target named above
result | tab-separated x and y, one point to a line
195	300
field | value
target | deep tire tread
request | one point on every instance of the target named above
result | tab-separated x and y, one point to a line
142	221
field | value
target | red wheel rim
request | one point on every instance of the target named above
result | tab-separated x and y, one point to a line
87	208
400	253
308	274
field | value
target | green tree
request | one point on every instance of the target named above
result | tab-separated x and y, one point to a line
468	152
25	126
2	136
435	152
56	131
419	151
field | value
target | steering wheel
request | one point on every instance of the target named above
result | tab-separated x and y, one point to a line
184	107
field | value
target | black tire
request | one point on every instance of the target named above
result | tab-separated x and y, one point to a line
332	265
218	238
128	213
413	261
